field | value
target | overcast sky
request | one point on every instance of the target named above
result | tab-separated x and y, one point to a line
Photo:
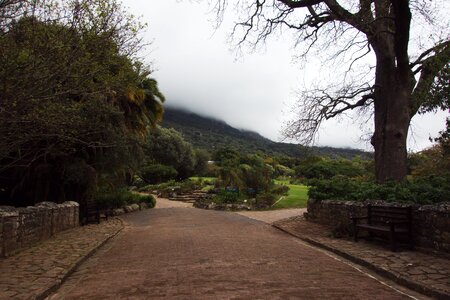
197	70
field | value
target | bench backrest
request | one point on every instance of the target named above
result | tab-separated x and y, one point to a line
381	214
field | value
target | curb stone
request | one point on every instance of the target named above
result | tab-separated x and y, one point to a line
52	289
379	270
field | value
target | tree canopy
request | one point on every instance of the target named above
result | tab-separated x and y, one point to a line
74	100
167	147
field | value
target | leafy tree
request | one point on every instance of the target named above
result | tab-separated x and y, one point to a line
167	147
397	86
245	172
434	161
201	162
74	102
158	173
326	168
256	173
281	170
444	139
226	156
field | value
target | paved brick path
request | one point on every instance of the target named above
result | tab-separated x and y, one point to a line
423	272
166	203
185	253
36	271
188	253
271	216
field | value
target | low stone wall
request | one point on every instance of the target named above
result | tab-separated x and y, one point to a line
431	223
25	226
130	208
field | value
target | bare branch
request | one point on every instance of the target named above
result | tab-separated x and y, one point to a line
301	3
318	105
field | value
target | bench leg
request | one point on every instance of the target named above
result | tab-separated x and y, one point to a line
392	240
355	237
410	240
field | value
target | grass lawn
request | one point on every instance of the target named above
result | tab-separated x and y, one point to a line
212	179
208	179
296	198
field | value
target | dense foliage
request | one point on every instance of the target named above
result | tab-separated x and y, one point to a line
166	147
428	182
156	173
326	168
74	102
243	172
117	198
423	190
165	189
248	178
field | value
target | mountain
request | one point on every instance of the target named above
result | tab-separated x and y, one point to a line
210	134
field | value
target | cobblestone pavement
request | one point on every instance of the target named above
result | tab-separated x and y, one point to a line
425	272
183	253
37	271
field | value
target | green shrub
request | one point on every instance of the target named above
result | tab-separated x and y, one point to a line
138	182
168	187
420	190
116	198
265	200
280	190
226	197
113	198
147	199
158	173
326	168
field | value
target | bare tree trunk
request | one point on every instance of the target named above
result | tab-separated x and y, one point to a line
392	119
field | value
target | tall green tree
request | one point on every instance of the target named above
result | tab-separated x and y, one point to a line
74	101
398	84
166	146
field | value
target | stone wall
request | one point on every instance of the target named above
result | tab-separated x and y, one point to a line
25	226
431	223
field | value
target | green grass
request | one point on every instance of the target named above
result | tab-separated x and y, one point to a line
203	178
296	198
207	179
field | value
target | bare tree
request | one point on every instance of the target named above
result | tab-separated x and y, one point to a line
396	88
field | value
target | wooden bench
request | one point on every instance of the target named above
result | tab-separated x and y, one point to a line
93	212
391	222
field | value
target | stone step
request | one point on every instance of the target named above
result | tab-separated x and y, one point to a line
184	199
189	196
